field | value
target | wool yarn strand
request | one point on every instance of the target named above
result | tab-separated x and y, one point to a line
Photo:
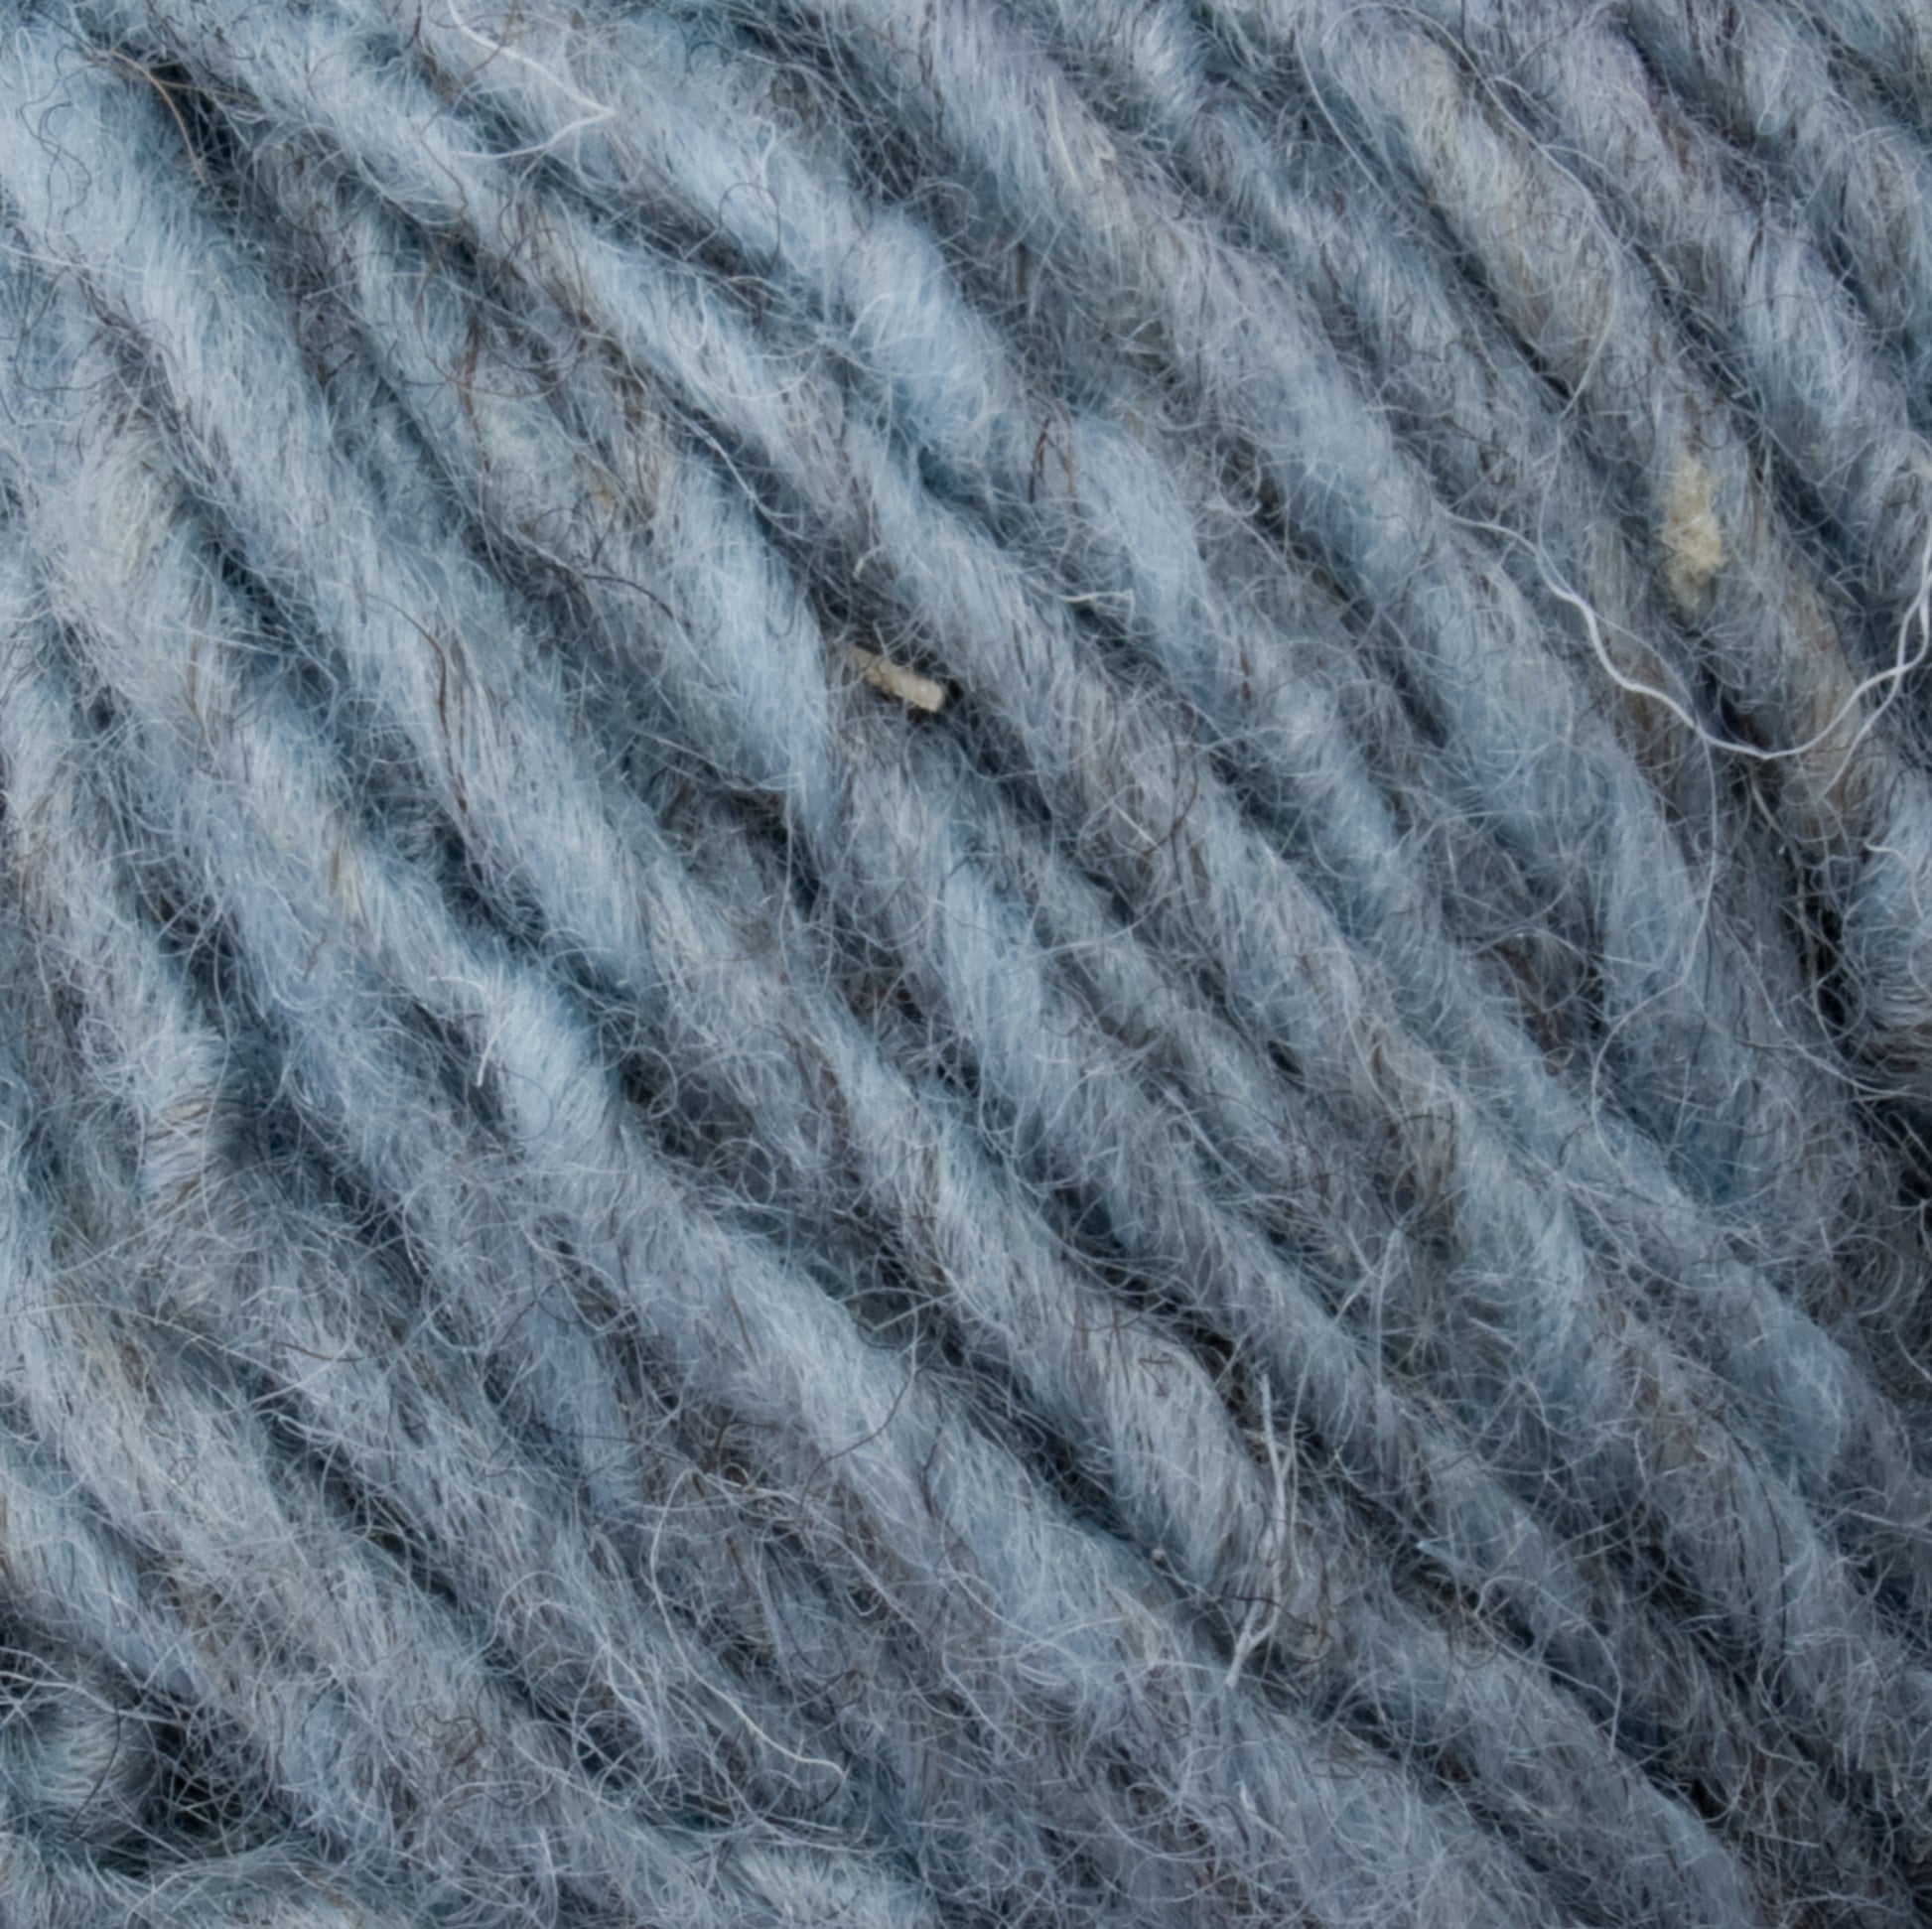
1390	1662
277	768
904	816
927	995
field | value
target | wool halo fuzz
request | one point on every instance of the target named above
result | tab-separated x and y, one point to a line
966	964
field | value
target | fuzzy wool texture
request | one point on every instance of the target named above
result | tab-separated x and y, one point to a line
965	964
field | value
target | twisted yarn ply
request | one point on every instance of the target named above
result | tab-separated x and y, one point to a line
965	963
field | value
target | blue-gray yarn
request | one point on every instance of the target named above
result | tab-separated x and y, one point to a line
966	962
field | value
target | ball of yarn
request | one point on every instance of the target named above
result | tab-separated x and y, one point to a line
965	964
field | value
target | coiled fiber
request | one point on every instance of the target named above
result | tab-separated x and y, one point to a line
965	962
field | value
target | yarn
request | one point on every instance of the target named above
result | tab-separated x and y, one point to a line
966	964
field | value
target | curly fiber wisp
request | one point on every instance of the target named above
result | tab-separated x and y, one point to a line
965	964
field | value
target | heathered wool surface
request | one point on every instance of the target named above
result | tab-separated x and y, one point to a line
965	964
